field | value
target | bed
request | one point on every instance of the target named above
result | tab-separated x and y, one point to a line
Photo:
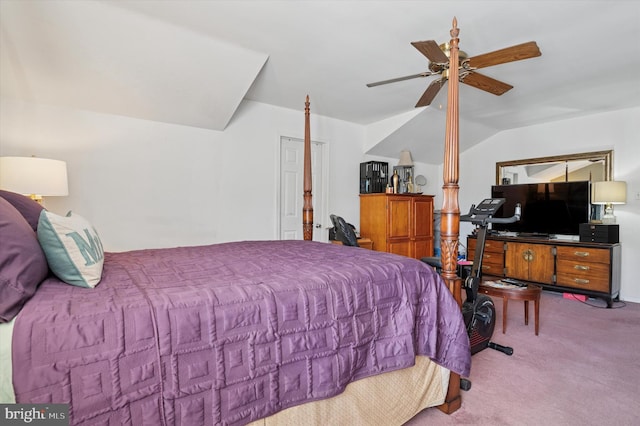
249	332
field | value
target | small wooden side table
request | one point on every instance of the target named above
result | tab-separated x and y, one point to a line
511	292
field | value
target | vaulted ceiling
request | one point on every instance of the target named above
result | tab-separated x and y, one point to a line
192	62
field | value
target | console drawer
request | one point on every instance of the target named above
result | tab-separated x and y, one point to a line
493	257
583	254
492	268
583	275
493	250
493	246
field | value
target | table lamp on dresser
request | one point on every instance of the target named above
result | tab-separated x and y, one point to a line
608	193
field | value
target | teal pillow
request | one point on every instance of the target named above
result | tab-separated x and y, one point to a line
72	247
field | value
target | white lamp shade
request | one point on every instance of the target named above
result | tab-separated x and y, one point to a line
34	176
405	159
609	192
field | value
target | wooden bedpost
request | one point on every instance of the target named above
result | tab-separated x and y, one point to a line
307	208
450	214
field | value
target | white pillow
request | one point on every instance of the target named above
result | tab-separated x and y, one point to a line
72	247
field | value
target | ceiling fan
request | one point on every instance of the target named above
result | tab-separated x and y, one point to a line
438	56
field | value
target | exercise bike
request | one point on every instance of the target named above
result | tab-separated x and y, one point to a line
479	311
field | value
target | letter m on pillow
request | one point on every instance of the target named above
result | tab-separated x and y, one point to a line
73	248
91	248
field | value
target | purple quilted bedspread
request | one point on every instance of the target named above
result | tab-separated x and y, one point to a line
229	333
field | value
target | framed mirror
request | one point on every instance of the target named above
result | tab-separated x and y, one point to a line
591	166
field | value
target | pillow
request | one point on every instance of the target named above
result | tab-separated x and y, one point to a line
23	265
72	247
28	208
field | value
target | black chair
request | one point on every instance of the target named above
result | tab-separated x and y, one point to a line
344	232
433	261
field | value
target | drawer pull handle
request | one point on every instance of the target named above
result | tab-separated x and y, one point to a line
581	267
582	253
581	281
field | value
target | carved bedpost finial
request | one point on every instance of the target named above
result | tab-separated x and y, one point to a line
307	208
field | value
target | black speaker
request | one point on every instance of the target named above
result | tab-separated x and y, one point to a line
599	233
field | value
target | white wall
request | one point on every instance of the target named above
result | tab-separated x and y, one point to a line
147	184
619	130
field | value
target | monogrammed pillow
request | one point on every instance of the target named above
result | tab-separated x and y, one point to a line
72	247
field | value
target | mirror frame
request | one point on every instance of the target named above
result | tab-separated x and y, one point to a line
606	156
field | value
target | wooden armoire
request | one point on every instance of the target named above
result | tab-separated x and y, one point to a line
398	223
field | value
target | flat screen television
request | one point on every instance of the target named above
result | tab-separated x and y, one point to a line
554	208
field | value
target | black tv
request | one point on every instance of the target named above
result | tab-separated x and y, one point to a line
554	208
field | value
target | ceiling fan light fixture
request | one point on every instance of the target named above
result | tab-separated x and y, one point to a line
443	69
446	48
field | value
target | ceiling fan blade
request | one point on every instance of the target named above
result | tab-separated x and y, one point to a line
393	80
431	92
431	50
502	56
485	83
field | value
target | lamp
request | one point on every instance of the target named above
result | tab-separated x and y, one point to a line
405	159
36	177
609	193
405	171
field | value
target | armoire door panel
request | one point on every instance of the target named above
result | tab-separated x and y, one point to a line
423	217
422	248
400	247
399	226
